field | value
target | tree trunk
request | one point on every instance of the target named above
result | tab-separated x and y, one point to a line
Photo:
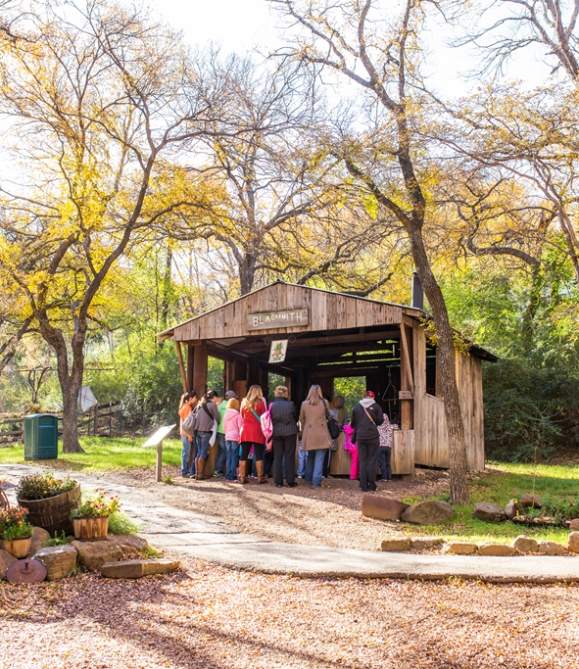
167	288
530	313
447	373
247	273
70	380
70	442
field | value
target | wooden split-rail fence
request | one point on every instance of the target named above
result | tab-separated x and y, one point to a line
101	420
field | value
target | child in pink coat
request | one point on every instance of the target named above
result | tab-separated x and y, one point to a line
232	423
352	449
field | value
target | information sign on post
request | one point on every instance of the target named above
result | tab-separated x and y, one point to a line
156	441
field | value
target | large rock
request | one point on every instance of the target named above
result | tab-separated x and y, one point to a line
574	542
396	544
490	512
138	568
60	561
93	554
524	545
425	543
39	537
529	501
511	509
499	550
428	513
6	559
131	545
382	508
461	548
574	525
552	548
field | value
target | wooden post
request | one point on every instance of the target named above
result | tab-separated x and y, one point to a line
190	363
200	357
159	465
406	381
181	366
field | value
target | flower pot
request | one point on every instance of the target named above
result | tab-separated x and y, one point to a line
52	513
19	548
90	528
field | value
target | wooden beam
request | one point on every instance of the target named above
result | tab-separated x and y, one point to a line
181	366
405	358
190	367
251	346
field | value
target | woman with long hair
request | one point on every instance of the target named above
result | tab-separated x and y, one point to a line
252	406
316	438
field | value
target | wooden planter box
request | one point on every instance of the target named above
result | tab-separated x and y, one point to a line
19	548
90	528
52	513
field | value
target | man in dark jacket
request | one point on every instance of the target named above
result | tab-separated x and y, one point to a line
284	422
366	416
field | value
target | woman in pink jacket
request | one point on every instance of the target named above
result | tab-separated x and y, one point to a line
232	423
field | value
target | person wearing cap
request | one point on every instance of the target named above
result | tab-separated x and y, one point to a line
367	415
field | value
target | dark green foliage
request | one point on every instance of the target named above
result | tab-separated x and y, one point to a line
563	509
529	412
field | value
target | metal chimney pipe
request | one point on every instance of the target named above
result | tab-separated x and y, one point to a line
417	292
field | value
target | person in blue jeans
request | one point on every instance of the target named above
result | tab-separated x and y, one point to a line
187	405
206	416
221	456
315	435
232	425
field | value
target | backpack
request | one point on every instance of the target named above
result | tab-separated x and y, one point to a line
190	423
266	424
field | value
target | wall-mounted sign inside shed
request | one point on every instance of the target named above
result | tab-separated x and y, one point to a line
278	319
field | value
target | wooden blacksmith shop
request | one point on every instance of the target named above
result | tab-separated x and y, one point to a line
325	336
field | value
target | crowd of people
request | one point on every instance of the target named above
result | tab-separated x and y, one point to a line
256	440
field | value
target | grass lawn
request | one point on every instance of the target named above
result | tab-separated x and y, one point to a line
501	482
102	454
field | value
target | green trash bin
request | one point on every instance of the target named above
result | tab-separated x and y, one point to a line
40	437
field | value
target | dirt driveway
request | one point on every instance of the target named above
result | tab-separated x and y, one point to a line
303	515
213	618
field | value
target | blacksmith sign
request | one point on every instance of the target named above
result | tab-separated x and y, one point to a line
287	318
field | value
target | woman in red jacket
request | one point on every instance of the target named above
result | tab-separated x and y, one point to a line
252	406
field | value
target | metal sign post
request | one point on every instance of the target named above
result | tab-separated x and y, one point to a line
156	441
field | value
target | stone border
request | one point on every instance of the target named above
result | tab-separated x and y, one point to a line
522	545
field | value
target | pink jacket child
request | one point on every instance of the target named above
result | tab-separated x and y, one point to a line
352	449
232	422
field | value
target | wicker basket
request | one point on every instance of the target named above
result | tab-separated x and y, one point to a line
52	513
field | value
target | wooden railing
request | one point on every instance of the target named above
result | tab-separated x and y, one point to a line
103	419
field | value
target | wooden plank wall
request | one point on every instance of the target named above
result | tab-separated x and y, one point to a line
403	455
431	439
327	312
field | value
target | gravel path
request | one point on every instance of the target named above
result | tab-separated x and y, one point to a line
211	618
301	515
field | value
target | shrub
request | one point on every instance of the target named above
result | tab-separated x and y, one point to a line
119	523
529	411
563	509
59	539
42	486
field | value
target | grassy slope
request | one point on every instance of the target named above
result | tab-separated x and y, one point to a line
500	483
103	454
